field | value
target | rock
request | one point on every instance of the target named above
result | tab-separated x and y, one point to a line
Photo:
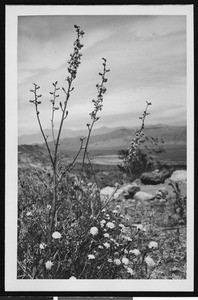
155	177
179	175
124	190
137	181
131	192
143	196
162	193
106	193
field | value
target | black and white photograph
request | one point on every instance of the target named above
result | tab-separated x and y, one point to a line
99	165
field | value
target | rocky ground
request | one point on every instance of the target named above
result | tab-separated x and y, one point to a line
147	192
154	207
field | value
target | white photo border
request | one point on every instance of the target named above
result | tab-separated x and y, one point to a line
11	281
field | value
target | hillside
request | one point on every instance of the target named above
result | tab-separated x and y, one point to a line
31	154
121	138
37	138
169	133
110	143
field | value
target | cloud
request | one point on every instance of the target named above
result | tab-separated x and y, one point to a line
146	56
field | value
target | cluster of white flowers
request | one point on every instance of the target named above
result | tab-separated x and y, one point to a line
124	235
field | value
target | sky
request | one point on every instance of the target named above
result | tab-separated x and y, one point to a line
146	56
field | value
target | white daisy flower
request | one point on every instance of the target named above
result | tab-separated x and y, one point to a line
48	265
117	261
91	256
130	271
42	246
125	261
56	235
110	225
149	261
135	251
153	244
94	231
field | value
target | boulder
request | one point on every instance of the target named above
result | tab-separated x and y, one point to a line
143	196
131	192
106	193
179	175
155	177
121	192
161	193
137	181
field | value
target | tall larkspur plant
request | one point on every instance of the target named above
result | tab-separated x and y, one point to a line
136	140
98	104
73	65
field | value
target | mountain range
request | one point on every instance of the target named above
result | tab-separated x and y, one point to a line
121	138
105	137
37	138
108	141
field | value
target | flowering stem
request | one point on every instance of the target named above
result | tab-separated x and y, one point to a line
73	66
87	142
36	103
132	151
54	108
63	117
97	107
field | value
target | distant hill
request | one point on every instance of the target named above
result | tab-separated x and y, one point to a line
106	141
121	138
105	137
37	138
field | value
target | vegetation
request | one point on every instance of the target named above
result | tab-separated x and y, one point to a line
67	231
